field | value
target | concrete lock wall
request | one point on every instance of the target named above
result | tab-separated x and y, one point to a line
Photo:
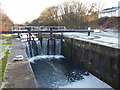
102	61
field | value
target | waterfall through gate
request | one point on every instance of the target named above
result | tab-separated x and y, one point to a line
52	70
44	47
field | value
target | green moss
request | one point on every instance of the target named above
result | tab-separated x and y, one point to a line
98	49
4	59
66	50
87	46
101	77
4	62
112	83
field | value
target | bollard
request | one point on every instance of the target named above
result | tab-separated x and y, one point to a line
89	28
88	33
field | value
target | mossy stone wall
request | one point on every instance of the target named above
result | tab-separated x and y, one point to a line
102	61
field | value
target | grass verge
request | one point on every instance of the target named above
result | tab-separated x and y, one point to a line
4	59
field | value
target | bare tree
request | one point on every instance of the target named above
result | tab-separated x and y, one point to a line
5	22
49	16
71	14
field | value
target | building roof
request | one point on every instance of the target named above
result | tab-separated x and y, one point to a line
113	9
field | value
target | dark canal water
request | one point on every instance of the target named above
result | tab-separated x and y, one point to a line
52	70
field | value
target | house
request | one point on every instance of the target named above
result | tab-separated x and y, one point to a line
110	12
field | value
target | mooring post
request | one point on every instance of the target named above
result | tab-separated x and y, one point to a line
88	33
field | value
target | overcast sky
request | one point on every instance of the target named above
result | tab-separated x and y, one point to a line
26	10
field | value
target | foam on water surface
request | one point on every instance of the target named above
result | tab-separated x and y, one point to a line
39	57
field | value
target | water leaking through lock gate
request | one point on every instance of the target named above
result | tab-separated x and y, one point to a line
53	70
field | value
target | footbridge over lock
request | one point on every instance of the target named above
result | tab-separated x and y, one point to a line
29	30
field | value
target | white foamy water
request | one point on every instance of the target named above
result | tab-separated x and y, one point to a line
24	37
45	57
88	82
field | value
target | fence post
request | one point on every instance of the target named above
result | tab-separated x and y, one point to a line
88	33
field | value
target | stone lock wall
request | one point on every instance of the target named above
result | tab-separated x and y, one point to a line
102	61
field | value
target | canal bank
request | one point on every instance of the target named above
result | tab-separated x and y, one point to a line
100	60
5	44
18	74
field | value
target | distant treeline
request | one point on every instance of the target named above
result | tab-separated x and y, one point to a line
5	22
72	14
106	23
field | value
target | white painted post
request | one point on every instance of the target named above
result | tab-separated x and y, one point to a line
89	28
